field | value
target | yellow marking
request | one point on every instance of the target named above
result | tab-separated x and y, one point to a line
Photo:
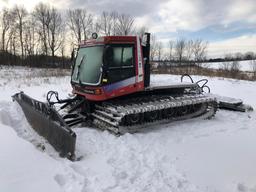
104	80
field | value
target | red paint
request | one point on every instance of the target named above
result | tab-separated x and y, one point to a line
117	92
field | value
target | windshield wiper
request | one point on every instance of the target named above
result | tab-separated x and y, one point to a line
78	69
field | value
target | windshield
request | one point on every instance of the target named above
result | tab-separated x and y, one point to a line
87	69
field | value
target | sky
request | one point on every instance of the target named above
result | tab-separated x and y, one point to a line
228	25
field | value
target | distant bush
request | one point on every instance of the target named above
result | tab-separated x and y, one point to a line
253	67
231	68
225	66
235	68
41	61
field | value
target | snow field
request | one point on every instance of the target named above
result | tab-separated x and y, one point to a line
195	155
248	65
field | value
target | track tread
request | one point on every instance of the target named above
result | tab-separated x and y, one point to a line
108	118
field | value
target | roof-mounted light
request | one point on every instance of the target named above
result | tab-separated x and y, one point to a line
94	35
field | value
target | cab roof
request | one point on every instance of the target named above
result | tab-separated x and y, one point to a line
109	40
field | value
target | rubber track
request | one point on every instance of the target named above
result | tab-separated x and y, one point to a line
111	115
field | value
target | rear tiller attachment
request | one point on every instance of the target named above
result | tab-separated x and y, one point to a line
227	103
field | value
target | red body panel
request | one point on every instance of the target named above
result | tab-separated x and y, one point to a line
106	94
117	89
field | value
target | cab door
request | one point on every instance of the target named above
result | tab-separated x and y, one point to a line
120	69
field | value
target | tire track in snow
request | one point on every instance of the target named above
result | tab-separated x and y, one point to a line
12	115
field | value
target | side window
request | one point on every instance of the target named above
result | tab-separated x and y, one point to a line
117	57
122	56
121	64
127	56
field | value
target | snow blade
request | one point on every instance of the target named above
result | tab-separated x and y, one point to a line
46	121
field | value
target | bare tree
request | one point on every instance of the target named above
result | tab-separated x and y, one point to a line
180	46
5	25
153	48
20	14
12	40
125	24
253	67
199	50
108	23
159	48
75	24
41	15
63	46
80	23
189	49
226	66
171	46
55	28
228	57
232	68
235	68
249	55
105	23
12	35
238	56
87	24
29	37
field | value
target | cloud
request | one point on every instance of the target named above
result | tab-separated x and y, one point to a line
232	23
187	15
177	15
242	10
168	15
241	44
135	8
225	21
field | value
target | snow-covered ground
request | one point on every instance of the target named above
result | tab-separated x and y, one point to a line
194	155
248	66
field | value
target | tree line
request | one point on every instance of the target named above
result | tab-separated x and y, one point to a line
190	52
181	51
46	36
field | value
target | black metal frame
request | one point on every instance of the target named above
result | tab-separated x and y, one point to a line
146	57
